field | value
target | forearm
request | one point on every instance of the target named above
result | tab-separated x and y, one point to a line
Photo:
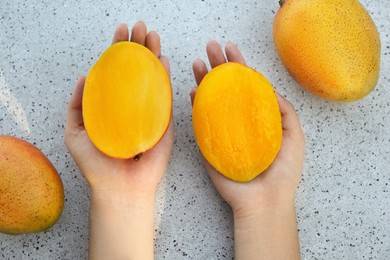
121	227
267	233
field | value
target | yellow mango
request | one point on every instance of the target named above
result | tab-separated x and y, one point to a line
330	47
127	101
237	121
31	191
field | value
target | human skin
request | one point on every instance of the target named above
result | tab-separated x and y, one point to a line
122	191
265	224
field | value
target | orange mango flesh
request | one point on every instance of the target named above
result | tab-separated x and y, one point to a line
237	121
330	47
127	101
31	191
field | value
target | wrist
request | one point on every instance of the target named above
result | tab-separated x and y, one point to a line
246	215
270	205
122	200
121	225
267	232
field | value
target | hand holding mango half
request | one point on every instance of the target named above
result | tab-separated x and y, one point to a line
31	191
330	47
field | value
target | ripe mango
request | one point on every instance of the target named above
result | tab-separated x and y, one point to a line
127	101
31	191
237	121
330	47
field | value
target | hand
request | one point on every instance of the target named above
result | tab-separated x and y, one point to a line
122	191
263	208
278	183
140	178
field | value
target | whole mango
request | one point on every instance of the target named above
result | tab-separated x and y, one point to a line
31	191
330	47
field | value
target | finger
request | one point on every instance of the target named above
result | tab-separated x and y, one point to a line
165	62
215	54
192	95
138	33
200	70
74	117
163	147
167	139
121	34
290	120
152	42
233	53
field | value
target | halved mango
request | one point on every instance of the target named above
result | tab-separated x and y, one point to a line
237	121
127	101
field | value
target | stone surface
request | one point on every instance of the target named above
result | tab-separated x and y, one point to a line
343	201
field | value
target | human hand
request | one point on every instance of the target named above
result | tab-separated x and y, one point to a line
108	175
278	183
122	191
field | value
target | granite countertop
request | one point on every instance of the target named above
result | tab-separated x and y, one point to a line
343	201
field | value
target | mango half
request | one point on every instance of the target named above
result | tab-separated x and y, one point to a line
31	191
330	47
127	101
237	121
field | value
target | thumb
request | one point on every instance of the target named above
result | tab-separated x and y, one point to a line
192	95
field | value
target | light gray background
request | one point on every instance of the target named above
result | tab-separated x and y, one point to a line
343	201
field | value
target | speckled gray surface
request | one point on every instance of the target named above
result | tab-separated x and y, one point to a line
343	202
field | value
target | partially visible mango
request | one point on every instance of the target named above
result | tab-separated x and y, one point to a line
330	47
31	191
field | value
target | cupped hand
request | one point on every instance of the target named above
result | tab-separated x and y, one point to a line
104	173
278	183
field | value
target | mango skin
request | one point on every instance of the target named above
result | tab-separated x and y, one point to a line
330	47
31	191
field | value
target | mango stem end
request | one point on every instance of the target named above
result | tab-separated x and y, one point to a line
137	157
